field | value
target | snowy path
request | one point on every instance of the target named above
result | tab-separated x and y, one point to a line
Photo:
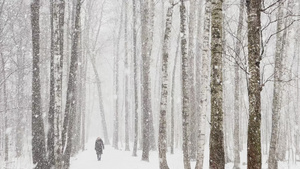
118	159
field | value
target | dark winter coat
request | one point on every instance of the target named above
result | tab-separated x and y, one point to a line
99	146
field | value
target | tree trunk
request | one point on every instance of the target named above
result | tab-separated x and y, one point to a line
204	86
20	132
297	119
5	111
83	99
282	142
38	135
126	82
71	91
50	135
238	45
150	46
185	86
136	101
146	94
193	117
116	79
162	138
78	98
102	113
216	145
58	22
172	97
254	58
54	138
276	106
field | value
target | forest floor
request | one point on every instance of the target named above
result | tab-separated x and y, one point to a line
120	159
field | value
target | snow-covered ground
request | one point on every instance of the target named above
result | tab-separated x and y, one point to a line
119	159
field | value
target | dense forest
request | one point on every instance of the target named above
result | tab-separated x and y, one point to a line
214	81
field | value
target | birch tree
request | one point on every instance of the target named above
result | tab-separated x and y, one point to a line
185	86
54	141
162	138
216	144
254	89
204	86
38	135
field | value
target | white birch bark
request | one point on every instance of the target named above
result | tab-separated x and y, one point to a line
204	86
162	138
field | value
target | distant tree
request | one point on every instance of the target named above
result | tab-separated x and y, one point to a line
5	113
116	84
98	80
276	106
20	132
126	80
237	88
173	95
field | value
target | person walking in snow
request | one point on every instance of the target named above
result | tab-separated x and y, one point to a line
99	147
